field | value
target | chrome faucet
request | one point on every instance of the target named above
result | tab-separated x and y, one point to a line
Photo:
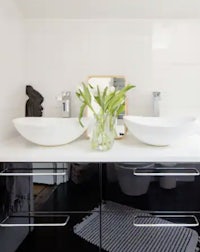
156	99
65	99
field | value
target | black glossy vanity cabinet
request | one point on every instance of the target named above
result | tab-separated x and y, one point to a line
116	207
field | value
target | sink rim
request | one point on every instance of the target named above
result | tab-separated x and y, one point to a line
157	131
157	122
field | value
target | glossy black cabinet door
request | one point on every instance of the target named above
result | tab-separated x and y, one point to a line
50	224
150	207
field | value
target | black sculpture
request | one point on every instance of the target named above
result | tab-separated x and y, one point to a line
33	104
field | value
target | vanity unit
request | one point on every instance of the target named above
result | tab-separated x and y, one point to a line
134	197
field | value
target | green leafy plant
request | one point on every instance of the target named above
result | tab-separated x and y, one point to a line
109	100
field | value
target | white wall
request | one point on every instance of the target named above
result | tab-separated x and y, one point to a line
11	67
159	55
176	65
59	54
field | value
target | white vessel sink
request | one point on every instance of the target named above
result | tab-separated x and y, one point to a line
160	131
50	131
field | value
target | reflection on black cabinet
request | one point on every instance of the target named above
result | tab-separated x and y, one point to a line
80	193
153	193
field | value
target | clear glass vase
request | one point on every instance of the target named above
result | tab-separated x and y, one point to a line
103	133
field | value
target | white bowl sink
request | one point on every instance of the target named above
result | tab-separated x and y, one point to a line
160	131
50	131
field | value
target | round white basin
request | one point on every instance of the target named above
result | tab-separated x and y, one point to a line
50	131
160	131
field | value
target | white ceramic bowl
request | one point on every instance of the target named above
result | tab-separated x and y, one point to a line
50	131
160	131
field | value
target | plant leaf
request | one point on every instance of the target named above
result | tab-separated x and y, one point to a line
112	103
82	108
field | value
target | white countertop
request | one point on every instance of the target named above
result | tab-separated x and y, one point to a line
127	149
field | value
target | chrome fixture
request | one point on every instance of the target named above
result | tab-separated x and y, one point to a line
65	99
156	99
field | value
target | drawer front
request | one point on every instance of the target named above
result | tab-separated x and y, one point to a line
153	187
76	186
119	232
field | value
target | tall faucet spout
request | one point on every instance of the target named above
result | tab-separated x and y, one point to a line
156	103
65	99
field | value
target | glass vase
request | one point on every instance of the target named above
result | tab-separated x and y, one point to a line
103	133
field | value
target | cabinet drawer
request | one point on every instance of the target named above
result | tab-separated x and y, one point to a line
123	229
170	187
74	194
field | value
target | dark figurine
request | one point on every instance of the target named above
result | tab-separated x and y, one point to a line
33	104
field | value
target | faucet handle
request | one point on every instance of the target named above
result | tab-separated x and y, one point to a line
156	94
65	95
156	99
65	100
59	98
